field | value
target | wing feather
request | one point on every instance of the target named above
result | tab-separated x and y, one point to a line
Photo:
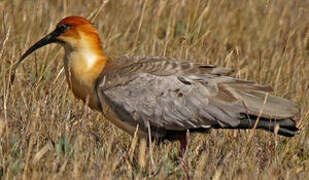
178	95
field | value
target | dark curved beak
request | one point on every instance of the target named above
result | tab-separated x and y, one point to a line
50	38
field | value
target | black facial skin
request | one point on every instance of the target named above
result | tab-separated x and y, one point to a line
50	38
60	29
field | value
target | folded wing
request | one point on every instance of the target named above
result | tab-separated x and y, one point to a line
175	95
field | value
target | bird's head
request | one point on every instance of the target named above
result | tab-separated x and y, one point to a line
73	33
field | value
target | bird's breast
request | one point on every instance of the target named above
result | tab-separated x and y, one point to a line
81	81
113	116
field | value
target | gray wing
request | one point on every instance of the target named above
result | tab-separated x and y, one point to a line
179	95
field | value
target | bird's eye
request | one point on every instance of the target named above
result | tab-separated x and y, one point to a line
63	27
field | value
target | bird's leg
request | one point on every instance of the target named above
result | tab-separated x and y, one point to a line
183	143
184	139
183	146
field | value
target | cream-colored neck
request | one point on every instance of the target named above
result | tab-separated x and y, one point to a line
83	66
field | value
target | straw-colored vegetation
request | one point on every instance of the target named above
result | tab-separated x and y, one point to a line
45	133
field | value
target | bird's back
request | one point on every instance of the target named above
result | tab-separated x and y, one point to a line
170	95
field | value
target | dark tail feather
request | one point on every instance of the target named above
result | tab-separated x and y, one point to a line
287	127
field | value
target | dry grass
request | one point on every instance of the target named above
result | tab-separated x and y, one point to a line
47	134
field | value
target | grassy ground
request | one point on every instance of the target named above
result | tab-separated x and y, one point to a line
48	134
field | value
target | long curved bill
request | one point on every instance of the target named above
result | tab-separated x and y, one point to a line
50	38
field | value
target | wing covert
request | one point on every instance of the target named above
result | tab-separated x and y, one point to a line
175	95
170	102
